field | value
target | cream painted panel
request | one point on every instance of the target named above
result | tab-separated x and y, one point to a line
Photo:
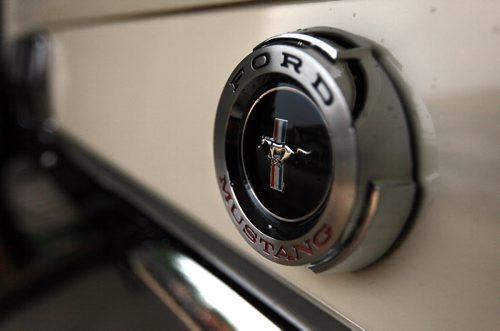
143	95
23	15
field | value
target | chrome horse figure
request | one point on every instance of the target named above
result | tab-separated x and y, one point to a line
280	152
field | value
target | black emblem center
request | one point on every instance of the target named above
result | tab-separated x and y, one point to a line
287	154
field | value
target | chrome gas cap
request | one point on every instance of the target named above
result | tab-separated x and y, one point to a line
313	151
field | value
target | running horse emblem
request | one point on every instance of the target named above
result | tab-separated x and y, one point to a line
279	153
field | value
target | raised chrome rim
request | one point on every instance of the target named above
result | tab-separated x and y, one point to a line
338	119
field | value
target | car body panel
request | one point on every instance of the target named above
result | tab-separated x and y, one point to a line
142	94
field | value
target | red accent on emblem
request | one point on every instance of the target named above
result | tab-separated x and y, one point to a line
322	236
304	248
267	244
250	234
224	181
282	252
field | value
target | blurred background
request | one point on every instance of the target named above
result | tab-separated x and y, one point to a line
63	238
76	256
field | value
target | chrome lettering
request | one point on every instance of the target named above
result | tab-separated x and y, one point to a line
260	61
289	252
294	61
236	78
323	90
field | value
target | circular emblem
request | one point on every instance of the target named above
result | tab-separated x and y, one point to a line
313	151
282	119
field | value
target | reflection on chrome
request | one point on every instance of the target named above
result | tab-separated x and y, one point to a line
198	297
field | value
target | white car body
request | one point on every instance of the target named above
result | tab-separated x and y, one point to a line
138	84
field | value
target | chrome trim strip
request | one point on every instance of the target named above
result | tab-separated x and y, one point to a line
296	307
156	287
195	294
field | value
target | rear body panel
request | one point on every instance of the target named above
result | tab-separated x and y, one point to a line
142	92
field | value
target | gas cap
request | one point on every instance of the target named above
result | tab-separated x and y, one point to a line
313	151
